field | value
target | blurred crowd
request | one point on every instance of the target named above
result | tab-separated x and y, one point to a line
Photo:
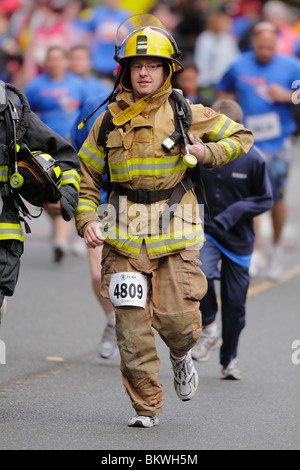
211	33
61	52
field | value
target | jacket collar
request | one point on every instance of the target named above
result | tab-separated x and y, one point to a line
125	109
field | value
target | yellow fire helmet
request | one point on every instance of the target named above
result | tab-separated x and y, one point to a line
145	35
38	177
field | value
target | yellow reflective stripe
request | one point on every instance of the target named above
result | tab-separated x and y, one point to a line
3	173
71	177
175	241
121	240
11	236
57	171
232	147
155	245
146	166
222	130
86	205
11	231
93	156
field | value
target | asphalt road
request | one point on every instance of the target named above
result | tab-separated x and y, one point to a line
57	394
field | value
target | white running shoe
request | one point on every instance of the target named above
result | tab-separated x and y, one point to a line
207	343
140	421
275	263
108	346
186	378
256	264
231	372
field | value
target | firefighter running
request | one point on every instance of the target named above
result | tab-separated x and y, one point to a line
152	230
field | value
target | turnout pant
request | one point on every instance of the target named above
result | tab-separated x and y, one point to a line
175	285
234	283
10	254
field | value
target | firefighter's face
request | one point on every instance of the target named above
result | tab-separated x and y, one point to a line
147	75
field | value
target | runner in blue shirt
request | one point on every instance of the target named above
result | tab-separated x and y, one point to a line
264	84
56	95
80	65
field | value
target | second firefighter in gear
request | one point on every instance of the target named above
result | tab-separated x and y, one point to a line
36	165
150	270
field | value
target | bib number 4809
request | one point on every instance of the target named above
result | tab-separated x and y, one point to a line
131	290
128	289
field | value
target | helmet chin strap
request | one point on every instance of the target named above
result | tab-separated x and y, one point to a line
136	108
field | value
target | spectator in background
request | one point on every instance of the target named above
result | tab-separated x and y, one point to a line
193	16
187	82
80	64
52	29
56	96
250	13
23	24
10	54
8	7
100	24
215	49
244	16
262	81
167	14
71	12
279	14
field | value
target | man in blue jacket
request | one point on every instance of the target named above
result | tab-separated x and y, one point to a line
236	193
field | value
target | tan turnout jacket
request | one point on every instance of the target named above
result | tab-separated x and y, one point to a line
137	160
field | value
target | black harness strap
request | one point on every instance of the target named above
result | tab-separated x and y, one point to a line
175	194
106	127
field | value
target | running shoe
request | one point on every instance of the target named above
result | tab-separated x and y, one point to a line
108	346
186	378
231	372
207	343
140	421
275	263
256	264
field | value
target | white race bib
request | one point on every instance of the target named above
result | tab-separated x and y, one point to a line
128	289
264	126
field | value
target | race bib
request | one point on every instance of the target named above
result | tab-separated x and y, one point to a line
128	289
264	126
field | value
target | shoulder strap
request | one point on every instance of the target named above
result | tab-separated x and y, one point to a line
106	127
26	112
182	118
184	114
8	127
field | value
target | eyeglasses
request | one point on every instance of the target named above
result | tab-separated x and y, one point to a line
148	67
